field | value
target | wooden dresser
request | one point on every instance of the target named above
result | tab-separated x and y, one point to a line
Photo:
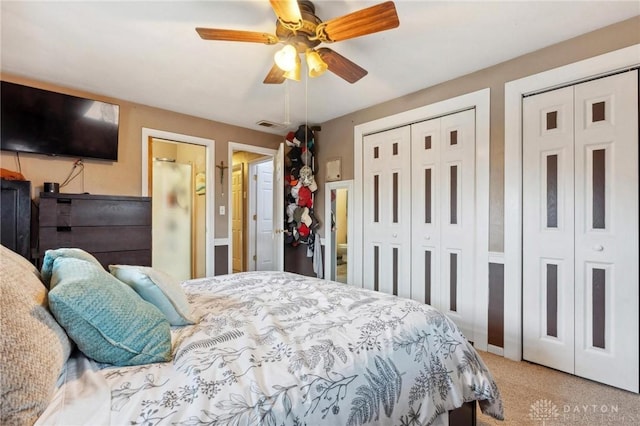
15	230
115	229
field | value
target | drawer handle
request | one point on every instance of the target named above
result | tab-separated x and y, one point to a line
63	228
63	200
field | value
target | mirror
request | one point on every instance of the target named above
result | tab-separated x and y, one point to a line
338	229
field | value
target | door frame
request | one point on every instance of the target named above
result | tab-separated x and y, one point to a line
329	254
209	145
267	152
480	100
576	72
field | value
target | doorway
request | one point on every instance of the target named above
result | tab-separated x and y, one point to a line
182	162
256	204
251	209
178	208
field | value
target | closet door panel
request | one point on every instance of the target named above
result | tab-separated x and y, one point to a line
426	223
387	219
548	222
443	212
457	213
606	231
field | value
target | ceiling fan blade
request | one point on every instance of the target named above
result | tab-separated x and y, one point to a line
365	21
287	11
236	35
341	66
275	76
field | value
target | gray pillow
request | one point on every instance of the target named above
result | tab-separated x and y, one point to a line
34	346
159	289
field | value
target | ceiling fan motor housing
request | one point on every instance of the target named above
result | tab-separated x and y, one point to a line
300	37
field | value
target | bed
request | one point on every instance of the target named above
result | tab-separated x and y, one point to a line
269	348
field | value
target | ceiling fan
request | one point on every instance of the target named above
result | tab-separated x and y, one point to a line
301	31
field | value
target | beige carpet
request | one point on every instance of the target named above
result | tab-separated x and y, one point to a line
536	395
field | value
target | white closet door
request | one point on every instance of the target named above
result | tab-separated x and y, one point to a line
547	235
387	215
443	169
606	230
425	217
580	230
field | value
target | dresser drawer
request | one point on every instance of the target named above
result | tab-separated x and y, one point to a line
74	212
96	239
130	257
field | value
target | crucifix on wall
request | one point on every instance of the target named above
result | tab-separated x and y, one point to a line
221	166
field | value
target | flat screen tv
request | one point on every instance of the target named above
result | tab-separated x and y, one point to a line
43	122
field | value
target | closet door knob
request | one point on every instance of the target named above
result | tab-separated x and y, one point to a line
427	237
598	247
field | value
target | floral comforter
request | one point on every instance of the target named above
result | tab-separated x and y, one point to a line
276	348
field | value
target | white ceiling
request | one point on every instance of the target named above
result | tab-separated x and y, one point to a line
148	51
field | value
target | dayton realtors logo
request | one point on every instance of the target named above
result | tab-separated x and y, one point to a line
547	413
543	411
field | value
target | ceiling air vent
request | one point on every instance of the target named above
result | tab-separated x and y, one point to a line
270	124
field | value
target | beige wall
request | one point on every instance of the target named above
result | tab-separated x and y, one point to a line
124	176
334	140
336	137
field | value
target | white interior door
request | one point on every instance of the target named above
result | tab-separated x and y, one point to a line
263	215
607	305
425	247
387	211
548	223
580	230
278	209
443	215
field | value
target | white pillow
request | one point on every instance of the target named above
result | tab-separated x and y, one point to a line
159	289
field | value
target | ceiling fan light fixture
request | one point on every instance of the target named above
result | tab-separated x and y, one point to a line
315	63
294	74
286	58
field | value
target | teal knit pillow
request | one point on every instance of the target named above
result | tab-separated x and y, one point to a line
51	255
106	318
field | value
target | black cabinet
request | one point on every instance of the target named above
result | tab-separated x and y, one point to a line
114	229
15	227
